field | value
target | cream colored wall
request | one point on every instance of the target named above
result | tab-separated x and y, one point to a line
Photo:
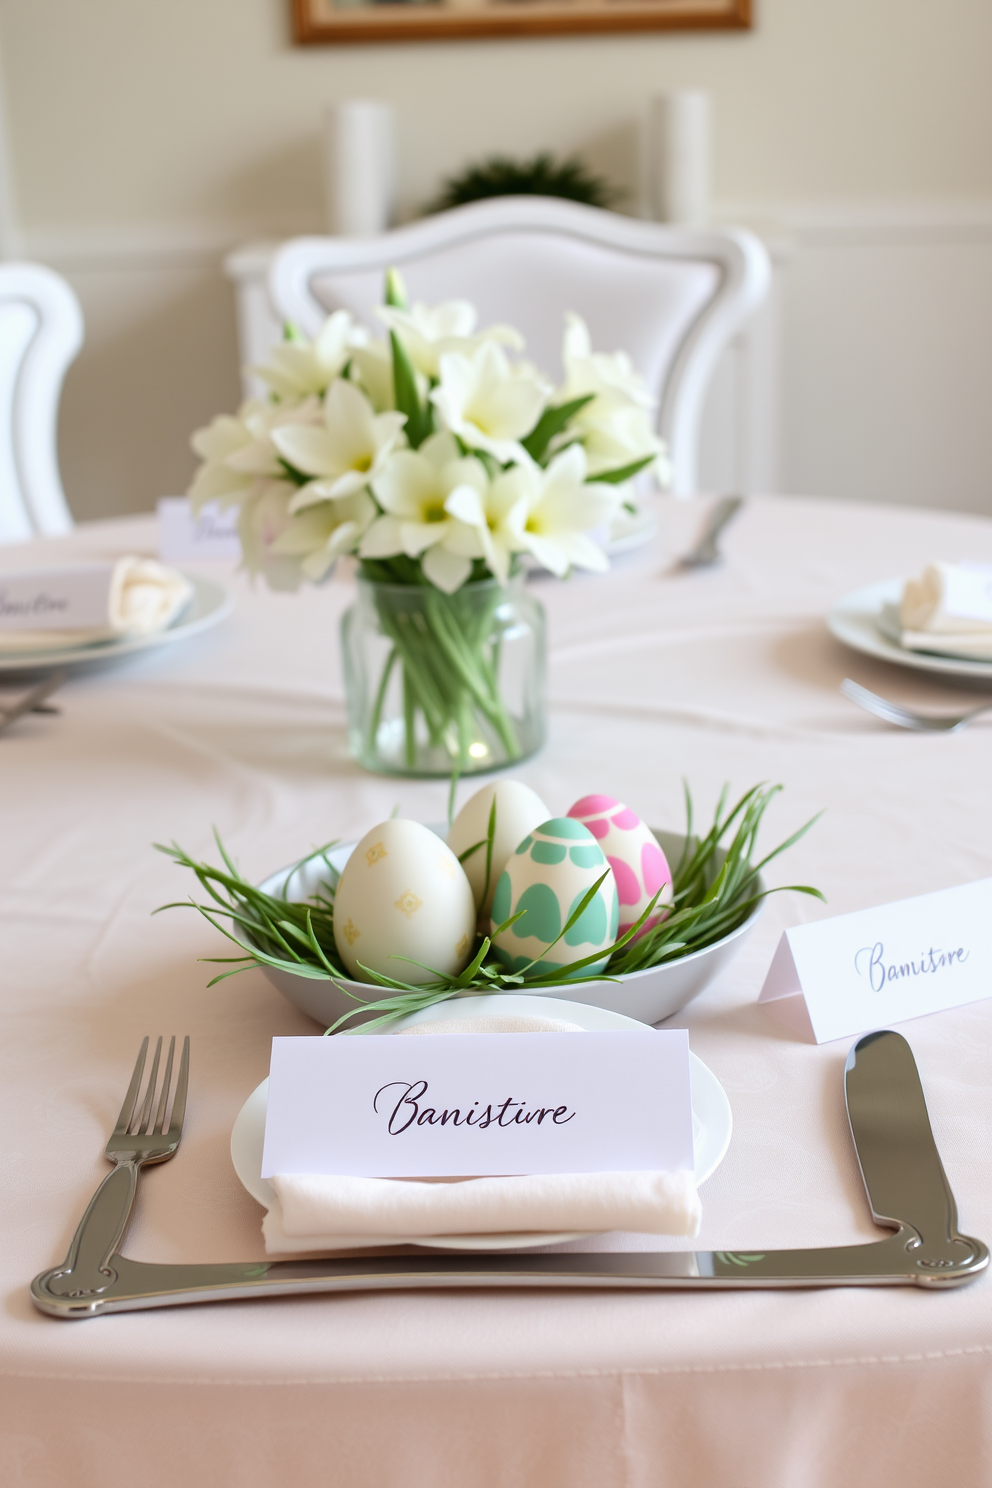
138	111
145	137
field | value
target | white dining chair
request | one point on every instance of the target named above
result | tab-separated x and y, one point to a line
671	297
41	331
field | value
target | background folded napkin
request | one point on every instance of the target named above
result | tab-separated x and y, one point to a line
144	598
319	1212
949	611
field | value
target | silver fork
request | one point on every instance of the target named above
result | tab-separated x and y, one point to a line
706	551
141	1136
33	701
907	718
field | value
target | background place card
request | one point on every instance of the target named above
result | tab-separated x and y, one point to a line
76	597
880	966
472	1105
181	536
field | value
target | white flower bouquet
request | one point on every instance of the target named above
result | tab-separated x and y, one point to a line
440	459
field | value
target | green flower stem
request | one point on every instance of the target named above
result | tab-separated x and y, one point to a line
467	659
380	698
448	666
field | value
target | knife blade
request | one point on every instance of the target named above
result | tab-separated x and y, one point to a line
904	1178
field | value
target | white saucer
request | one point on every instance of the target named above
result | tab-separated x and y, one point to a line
210	604
855	620
712	1122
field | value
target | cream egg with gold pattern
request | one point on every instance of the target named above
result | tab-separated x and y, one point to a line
403	893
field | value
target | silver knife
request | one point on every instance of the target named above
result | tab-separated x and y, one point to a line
907	1191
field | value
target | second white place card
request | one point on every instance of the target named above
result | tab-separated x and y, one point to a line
881	966
474	1105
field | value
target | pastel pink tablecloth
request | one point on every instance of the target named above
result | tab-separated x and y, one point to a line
717	676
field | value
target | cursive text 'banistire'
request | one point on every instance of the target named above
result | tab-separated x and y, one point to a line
409	1110
870	961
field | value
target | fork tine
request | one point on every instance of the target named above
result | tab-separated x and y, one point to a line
872	703
166	1082
141	1121
179	1104
130	1100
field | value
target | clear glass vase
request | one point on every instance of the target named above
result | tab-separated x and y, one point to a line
441	682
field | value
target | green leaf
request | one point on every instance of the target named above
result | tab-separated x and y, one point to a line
419	419
551	422
621	474
291	473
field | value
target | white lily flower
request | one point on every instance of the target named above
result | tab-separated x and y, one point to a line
238	452
551	512
498	537
615	435
346	453
299	369
489	403
263	518
615	427
372	370
428	333
432	500
216	480
587	371
320	534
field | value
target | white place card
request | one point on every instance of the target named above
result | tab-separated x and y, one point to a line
476	1105
211	535
881	966
76	597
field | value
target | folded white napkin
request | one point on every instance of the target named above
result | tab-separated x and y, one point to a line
949	611
144	598
315	1212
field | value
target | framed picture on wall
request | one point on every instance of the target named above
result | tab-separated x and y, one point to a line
327	22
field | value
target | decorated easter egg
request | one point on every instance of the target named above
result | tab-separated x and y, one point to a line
403	893
546	878
631	849
518	811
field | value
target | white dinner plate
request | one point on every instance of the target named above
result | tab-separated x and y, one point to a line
712	1122
630	530
856	620
210	604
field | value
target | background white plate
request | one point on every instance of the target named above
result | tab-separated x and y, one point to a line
210	604
712	1122
854	620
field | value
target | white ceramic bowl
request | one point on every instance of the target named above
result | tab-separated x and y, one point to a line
649	996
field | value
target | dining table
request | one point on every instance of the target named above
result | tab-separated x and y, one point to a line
660	677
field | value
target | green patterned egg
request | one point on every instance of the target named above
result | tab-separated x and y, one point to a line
546	878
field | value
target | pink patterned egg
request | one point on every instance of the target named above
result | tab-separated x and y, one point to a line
639	865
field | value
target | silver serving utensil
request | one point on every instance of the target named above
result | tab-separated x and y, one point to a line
31	701
706	552
907	1191
908	718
